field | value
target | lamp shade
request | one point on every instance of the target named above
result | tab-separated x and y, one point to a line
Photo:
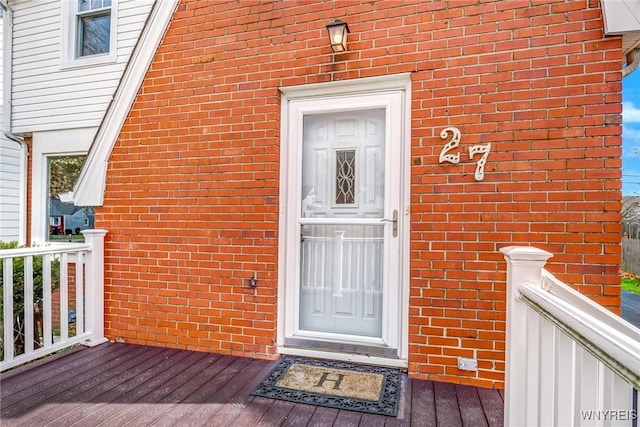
338	31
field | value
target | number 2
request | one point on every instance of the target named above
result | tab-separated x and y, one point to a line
455	141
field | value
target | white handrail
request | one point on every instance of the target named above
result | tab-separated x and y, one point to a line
556	287
610	345
56	248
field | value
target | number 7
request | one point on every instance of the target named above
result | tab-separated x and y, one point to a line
484	149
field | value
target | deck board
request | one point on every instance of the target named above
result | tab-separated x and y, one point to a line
105	407
69	383
175	391
492	404
238	402
299	416
423	412
104	393
20	378
59	372
348	419
323	417
403	418
446	404
471	412
276	414
371	420
118	384
216	391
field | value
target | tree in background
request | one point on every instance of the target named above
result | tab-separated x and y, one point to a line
63	174
631	209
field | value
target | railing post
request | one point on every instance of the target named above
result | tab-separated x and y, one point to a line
524	264
94	311
8	309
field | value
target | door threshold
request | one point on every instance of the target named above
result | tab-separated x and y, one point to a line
343	357
340	346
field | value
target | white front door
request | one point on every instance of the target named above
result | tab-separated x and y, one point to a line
343	218
342	241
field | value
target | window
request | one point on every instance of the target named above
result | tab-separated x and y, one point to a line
88	32
94	27
65	218
345	177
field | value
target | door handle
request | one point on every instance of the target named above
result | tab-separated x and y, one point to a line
394	220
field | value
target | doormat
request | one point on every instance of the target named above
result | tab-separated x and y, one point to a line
340	385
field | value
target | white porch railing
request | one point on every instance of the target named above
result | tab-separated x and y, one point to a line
85	261
569	361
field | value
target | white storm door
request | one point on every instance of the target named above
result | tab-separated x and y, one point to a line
344	219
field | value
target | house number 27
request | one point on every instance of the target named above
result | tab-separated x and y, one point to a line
473	150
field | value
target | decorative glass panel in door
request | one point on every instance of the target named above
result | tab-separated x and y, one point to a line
342	223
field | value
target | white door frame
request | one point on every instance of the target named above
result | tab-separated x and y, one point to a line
361	93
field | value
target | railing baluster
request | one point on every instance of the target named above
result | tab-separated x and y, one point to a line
64	297
79	293
564	386
634	405
338	262
532	334
8	309
47	336
28	305
546	373
586	385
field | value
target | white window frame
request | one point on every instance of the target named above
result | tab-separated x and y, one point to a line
51	144
69	42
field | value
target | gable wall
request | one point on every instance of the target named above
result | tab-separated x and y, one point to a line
192	192
46	94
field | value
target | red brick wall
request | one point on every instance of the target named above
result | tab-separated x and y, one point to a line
71	296
192	192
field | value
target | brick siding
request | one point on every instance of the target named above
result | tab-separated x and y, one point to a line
192	191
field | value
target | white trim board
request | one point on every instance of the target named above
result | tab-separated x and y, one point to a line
335	91
47	144
89	190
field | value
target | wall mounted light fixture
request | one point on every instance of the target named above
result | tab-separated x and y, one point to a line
338	31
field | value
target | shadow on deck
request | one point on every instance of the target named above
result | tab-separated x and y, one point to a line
121	384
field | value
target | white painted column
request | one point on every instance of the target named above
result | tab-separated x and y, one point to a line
524	264
95	286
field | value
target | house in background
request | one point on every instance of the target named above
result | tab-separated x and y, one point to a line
66	218
265	195
63	78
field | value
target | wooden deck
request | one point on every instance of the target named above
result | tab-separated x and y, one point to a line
121	384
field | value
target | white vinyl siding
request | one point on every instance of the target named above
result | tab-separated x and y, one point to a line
50	96
9	190
9	175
